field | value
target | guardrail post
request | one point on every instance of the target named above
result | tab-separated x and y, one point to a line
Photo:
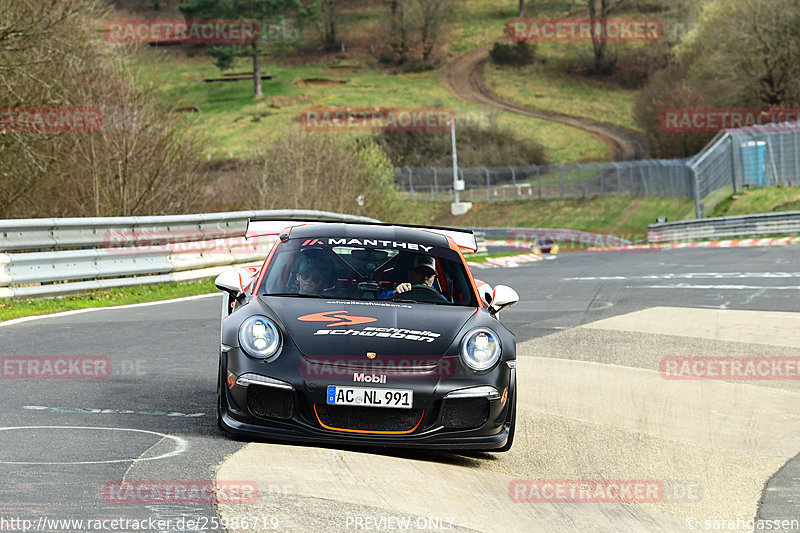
435	184
410	182
580	171
488	185
561	178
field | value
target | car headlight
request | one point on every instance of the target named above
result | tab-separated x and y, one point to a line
480	349
259	337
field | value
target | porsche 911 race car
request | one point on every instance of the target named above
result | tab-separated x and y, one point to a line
367	334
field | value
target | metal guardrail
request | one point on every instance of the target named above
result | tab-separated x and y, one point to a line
46	257
765	225
576	237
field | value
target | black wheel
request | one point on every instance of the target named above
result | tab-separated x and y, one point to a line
511	424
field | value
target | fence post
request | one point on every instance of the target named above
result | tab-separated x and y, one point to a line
538	182
514	181
561	178
435	184
580	170
696	186
619	179
643	178
796	161
602	180
488	185
410	182
630	178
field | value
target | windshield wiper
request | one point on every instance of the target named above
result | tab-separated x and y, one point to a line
405	301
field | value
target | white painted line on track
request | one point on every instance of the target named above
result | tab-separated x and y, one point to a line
694	275
715	287
180	446
96	411
90	309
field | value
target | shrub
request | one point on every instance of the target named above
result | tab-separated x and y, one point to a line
315	170
519	54
478	145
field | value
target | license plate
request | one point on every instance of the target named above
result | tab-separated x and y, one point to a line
369	397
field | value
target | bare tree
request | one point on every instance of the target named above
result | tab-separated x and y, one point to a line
330	14
599	13
747	52
432	15
398	33
316	170
142	160
415	28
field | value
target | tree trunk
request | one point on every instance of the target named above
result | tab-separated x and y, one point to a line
398	31
521	8
602	64
330	14
257	73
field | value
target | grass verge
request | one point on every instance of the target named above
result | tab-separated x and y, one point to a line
766	200
621	215
10	309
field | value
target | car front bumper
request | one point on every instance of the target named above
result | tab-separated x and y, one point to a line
456	409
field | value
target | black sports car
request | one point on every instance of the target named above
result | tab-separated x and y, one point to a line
368	334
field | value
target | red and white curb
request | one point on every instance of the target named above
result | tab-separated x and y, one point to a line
740	243
506	262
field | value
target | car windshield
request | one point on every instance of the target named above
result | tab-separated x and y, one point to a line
429	274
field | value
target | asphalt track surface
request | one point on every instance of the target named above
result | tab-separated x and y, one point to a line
63	440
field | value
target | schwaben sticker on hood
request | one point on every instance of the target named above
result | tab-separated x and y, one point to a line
337	318
368	302
386	333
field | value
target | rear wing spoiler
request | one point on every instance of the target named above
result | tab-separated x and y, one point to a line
262	227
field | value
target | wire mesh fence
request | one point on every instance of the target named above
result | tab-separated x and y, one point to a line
637	178
756	156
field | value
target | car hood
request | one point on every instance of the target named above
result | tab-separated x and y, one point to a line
322	328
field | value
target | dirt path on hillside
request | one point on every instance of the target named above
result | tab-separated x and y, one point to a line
464	78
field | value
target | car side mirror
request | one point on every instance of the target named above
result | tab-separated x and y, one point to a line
503	297
228	281
237	281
